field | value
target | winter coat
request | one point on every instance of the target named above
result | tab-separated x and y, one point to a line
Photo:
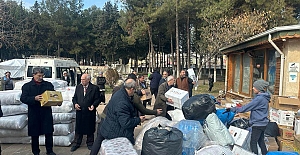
40	120
121	117
160	102
155	78
86	119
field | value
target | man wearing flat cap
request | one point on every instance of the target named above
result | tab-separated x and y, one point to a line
259	115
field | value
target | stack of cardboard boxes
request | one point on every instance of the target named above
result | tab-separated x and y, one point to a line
283	111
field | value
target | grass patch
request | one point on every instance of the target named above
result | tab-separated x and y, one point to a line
203	89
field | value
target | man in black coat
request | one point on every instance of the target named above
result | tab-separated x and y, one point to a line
121	116
154	84
40	120
86	99
101	84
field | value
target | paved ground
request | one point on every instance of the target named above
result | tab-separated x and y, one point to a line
25	149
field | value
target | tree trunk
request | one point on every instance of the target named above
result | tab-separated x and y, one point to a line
215	69
177	42
188	40
151	44
172	55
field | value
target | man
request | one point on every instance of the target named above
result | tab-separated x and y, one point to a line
259	115
160	102
101	84
184	83
65	77
121	116
164	77
141	86
154	83
86	99
210	82
7	83
132	75
40	120
72	77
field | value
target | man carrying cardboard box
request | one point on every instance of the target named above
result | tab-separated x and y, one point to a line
40	120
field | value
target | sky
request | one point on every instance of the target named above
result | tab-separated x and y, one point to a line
87	3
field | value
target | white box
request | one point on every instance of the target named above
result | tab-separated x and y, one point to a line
239	135
117	146
240	151
297	126
178	96
286	118
274	117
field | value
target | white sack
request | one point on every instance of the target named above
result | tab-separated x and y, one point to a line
176	115
10	110
59	140
19	84
216	130
63	129
15	140
214	150
16	122
62	117
150	124
66	107
117	146
10	97
14	133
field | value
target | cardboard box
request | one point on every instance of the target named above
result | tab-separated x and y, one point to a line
239	135
147	96
240	151
51	98
272	144
297	143
297	125
286	133
178	96
285	103
285	145
286	118
274	117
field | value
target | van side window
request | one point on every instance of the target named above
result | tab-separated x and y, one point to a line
47	74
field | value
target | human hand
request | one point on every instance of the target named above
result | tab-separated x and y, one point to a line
170	100
77	106
38	97
91	108
193	82
159	111
143	118
143	92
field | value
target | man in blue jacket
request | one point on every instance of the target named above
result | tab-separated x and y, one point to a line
259	115
154	84
121	116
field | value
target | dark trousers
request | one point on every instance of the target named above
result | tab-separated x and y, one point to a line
210	87
257	136
154	91
78	139
48	142
146	101
97	144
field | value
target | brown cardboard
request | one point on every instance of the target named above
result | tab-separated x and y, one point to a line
147	96
297	143
285	103
285	145
286	133
273	146
51	98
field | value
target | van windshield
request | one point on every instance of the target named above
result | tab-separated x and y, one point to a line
48	71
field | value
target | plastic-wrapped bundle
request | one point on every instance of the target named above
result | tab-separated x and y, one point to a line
240	123
10	110
15	140
62	117
16	122
226	117
67	94
14	133
117	146
59	140
176	115
162	140
19	84
198	107
214	150
63	129
217	131
66	107
10	97
162	121
193	135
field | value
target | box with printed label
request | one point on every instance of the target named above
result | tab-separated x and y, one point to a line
239	135
286	133
297	143
286	118
51	98
271	144
178	96
285	103
147	95
274	117
285	145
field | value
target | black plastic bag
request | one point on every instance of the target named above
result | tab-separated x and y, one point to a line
198	107
241	123
272	129
162	141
